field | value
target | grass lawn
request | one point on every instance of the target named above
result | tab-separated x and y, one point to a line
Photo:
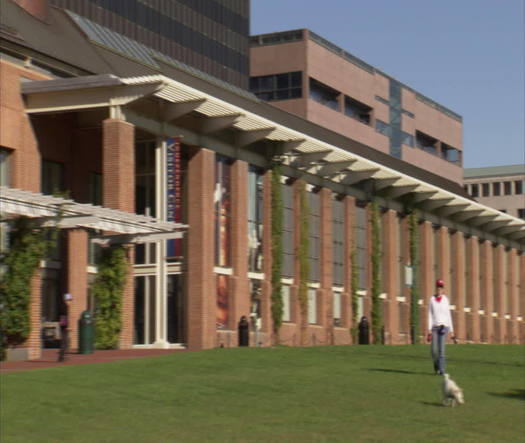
321	394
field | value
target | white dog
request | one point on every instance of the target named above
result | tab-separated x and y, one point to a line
452	393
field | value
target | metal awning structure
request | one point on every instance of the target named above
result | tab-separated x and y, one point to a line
299	151
65	213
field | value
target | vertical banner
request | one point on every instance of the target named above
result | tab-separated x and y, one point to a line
173	192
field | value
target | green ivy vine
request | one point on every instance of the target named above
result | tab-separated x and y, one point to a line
107	291
277	249
354	281
29	244
377	309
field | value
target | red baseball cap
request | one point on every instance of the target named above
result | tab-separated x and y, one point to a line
440	283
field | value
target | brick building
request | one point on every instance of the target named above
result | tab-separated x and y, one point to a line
148	148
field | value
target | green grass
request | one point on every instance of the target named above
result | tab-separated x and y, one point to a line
322	394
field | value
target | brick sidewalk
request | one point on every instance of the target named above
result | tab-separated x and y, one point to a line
49	358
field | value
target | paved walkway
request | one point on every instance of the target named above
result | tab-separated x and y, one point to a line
49	358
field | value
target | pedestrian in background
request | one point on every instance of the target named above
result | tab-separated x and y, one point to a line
439	326
64	328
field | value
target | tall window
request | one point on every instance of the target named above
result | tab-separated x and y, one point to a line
53	177
222	201
288	231
145	317
312	306
438	271
338	321
4	167
255	219
314	235
496	188
485	189
474	190
402	261
518	187
338	241
95	188
145	178
361	242
287	307
507	188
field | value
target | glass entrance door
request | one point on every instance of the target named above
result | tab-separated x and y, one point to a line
176	326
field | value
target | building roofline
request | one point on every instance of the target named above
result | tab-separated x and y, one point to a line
494	171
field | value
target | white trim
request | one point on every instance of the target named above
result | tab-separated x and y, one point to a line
481	312
92	269
420	302
383	296
287	281
452	307
314	285
361	292
256	275
401	299
467	309
494	314
507	317
338	289
223	271
519	318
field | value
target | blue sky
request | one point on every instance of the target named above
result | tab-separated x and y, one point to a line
467	55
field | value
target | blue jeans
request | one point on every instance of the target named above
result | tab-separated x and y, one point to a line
439	337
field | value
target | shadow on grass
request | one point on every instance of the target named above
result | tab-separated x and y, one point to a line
435	403
398	371
517	394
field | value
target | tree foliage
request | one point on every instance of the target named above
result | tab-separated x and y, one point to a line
107	291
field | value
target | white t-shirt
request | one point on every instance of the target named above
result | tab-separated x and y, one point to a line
439	313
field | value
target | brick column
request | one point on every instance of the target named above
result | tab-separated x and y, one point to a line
444	257
427	284
240	288
473	251
521	297
487	284
459	285
326	267
267	323
513	330
200	281
118	154
300	319
77	279
348	314
391	282
34	341
500	294
118	192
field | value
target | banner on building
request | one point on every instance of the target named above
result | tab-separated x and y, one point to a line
173	193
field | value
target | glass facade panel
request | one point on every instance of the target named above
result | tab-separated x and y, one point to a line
287	311
361	242
288	231
314	235
338	242
312	306
145	187
145	315
255	219
277	87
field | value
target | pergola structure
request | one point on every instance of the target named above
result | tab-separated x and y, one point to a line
125	227
164	106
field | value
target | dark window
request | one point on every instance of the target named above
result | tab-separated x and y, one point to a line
52	177
95	188
521	213
4	167
357	110
496	188
485	189
507	188
450	153
314	235
518	187
288	231
474	190
338	242
277	87
426	143
324	94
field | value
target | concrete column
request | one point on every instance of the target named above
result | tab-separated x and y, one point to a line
326	266
391	282
240	288
201	280
77	281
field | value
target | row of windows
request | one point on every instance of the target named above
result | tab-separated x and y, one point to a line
278	86
495	189
433	146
